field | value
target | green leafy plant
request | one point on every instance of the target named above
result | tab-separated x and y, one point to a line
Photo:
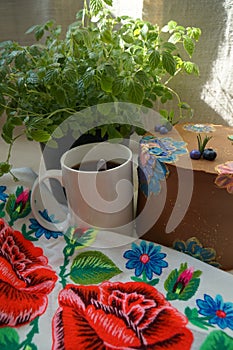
101	59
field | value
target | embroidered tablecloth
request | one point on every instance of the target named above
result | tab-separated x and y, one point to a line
84	289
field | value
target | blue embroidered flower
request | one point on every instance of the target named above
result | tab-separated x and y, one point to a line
145	258
216	311
195	249
40	230
3	196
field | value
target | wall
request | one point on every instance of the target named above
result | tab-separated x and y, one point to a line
210	95
16	16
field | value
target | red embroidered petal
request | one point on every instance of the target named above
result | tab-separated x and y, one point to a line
85	321
18	308
32	253
25	278
148	292
72	331
166	325
112	329
182	340
8	275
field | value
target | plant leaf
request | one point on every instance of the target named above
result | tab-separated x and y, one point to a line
154	59
95	6
142	78
92	267
117	86
40	135
169	62
106	83
175	38
135	93
189	45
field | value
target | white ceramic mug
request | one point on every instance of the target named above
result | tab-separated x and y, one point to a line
100	199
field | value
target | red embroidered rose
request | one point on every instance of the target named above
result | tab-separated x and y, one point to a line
132	315
25	278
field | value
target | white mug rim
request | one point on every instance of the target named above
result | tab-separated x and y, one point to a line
90	146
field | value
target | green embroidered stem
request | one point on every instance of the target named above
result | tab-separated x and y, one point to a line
27	343
67	254
11	221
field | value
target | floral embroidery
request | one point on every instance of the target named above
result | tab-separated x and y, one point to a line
199	128
154	153
40	230
194	248
145	258
216	311
182	284
183	280
24	276
131	315
18	204
22	200
225	177
3	196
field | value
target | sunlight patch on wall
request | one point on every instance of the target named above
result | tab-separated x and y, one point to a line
132	8
218	90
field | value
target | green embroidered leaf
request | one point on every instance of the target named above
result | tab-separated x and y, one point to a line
9	338
183	267
153	282
171	280
28	234
86	239
217	340
92	267
197	273
190	289
19	190
196	320
10	204
31	347
171	296
2	213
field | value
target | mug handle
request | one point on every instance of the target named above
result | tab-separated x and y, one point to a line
52	226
